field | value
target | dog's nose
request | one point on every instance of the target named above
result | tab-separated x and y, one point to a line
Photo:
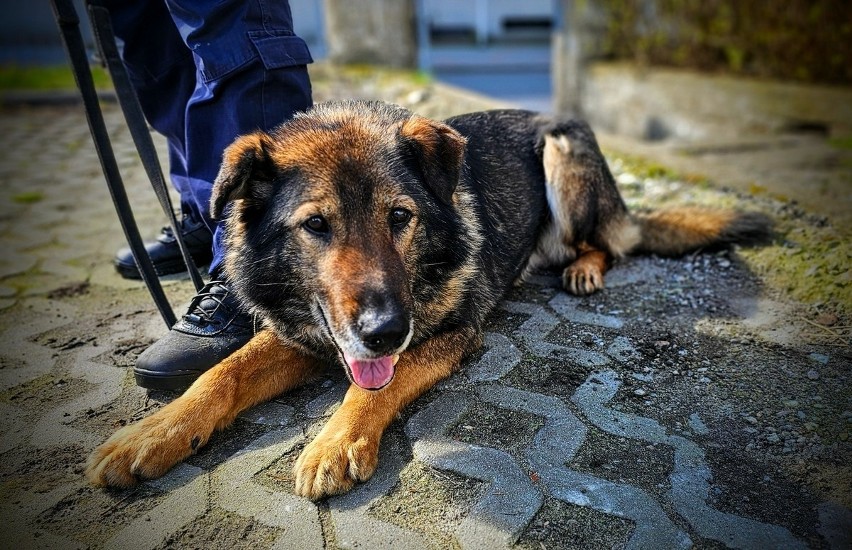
383	333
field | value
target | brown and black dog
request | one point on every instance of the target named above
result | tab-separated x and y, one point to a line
367	236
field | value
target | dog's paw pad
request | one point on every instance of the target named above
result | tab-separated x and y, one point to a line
332	464
145	450
582	279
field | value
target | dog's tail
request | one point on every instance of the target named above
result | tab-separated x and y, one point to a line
586	205
677	231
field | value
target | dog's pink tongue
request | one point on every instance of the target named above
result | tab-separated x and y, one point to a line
371	374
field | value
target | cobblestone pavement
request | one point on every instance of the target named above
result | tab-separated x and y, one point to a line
688	405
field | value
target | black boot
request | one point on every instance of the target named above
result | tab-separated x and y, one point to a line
165	253
215	326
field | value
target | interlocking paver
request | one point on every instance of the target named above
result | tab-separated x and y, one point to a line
354	526
235	491
676	356
182	505
511	499
690	476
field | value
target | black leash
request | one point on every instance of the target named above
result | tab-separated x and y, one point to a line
69	26
102	26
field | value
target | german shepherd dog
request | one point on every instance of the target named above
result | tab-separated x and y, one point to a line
375	239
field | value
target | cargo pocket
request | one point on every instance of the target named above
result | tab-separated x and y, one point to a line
286	87
280	49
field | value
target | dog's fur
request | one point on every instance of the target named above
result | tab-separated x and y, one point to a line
372	238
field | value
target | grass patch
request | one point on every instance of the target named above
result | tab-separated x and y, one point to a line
841	142
755	189
28	197
643	168
15	77
813	267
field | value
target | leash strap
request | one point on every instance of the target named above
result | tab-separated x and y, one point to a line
102	26
69	27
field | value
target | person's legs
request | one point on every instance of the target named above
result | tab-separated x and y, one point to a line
163	73
248	72
211	73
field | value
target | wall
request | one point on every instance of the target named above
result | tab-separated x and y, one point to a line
371	31
661	103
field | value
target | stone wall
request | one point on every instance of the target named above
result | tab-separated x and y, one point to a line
371	31
656	104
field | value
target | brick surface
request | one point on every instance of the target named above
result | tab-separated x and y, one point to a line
582	390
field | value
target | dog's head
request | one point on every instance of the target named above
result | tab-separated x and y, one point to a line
332	225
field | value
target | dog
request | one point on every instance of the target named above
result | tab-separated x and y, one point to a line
372	238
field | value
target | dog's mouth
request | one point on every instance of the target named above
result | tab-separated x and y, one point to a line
371	374
367	373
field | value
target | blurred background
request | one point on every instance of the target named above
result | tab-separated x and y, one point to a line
650	69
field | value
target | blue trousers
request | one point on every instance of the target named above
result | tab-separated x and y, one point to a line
206	72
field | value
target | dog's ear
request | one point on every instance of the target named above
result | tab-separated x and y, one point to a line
246	173
438	151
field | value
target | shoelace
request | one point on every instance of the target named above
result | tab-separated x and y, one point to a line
168	235
205	304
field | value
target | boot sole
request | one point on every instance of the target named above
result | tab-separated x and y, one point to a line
159	381
162	268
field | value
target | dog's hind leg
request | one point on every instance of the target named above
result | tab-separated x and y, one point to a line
347	448
590	224
260	370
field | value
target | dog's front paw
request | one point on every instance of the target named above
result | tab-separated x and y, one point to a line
333	462
145	450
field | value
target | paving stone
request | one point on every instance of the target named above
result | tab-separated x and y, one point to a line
502	356
29	360
20	516
697	425
13	263
181	506
621	349
327	402
634	271
535	329
236	491
23	240
63	270
14	430
835	522
511	501
586	397
557	443
271	413
565	306
690	478
53	429
355	528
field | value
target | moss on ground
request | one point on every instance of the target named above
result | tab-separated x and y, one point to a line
810	264
28	197
58	78
809	260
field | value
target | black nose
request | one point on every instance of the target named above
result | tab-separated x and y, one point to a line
383	333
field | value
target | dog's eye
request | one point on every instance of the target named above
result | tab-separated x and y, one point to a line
399	217
317	224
